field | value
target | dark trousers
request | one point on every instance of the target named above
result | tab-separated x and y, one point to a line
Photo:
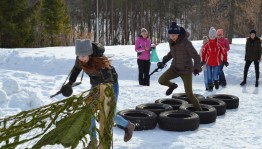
143	72
247	65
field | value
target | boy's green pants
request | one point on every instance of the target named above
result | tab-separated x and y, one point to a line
170	74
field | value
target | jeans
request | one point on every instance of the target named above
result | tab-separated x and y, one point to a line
119	120
205	78
212	73
221	73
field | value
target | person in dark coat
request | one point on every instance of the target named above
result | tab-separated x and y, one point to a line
181	52
253	54
99	70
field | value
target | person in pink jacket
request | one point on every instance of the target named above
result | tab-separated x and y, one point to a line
143	49
224	41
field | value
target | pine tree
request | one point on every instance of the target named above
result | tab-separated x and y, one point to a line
55	21
16	25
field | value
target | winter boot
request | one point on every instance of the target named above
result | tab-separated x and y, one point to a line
224	83
91	144
256	85
171	88
216	84
210	87
129	131
243	83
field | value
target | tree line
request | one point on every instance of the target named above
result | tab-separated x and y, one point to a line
39	23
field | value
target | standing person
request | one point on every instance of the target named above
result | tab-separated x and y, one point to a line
253	54
181	52
224	41
205	40
211	56
143	48
99	71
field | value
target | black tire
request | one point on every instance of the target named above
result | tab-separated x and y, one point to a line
175	103
218	104
184	97
143	119
208	115
232	102
178	120
157	108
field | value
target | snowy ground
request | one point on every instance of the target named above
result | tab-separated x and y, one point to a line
30	75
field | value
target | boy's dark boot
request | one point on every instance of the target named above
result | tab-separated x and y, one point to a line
256	85
171	88
243	82
216	84
223	83
129	131
210	87
245	78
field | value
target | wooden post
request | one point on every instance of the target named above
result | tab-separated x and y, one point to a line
104	100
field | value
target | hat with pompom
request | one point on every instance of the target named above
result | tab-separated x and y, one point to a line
212	33
174	29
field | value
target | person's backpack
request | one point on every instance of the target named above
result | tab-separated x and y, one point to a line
98	49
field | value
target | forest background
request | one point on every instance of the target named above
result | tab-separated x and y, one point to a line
44	23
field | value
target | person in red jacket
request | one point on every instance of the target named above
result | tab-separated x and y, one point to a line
224	41
211	56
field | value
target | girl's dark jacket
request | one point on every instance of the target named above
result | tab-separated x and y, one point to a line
253	49
182	52
103	76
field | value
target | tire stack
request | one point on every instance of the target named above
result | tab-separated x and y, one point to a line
175	103
178	120
143	119
178	114
232	102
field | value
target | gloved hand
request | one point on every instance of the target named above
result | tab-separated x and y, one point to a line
196	72
160	65
226	63
67	90
203	63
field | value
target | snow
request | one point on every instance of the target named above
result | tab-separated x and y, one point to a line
30	75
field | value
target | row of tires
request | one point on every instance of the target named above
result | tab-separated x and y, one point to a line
178	114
